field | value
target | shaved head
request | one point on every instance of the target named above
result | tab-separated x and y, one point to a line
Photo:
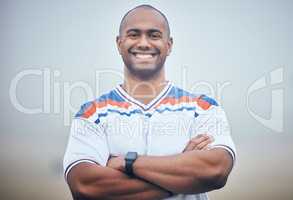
143	7
144	42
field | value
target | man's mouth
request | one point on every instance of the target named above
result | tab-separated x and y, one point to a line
144	55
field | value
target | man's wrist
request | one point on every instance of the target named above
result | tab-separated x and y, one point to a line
129	160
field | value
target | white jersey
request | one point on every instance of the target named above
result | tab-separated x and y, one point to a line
116	123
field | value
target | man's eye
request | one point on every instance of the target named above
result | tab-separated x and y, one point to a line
155	35
132	35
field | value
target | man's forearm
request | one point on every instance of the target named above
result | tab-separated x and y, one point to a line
189	172
91	181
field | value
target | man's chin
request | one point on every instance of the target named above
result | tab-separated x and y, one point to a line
145	73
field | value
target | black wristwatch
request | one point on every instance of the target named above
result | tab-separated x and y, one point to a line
129	160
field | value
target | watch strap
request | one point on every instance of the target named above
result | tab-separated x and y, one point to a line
129	167
129	160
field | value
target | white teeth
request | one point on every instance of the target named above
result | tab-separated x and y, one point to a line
143	56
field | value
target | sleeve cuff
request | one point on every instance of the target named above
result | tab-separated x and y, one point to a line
70	166
227	148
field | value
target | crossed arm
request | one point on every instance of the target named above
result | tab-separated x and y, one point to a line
91	181
193	171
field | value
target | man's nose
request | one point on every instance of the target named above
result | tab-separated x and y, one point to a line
143	42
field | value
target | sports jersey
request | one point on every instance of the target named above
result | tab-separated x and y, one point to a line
116	123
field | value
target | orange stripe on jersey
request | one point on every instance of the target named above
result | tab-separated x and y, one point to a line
202	103
173	101
185	99
113	103
92	108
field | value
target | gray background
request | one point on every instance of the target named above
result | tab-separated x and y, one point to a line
214	41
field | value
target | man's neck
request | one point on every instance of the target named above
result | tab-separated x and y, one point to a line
144	90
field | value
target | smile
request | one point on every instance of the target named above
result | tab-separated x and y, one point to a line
144	55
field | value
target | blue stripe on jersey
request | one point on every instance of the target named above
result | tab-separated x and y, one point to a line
128	114
111	95
83	108
176	92
209	100
175	110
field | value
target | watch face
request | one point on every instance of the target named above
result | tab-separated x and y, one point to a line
131	155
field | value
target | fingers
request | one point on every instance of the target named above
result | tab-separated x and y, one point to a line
199	142
192	144
205	144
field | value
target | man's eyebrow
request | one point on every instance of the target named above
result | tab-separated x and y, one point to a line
154	30
149	30
133	29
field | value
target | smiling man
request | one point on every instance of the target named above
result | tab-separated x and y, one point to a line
147	59
146	138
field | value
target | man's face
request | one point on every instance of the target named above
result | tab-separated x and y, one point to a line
144	43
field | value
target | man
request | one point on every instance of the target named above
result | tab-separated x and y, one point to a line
147	139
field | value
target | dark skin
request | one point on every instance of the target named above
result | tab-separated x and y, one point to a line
91	181
144	44
146	34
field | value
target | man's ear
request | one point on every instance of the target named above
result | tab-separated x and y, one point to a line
170	44
118	43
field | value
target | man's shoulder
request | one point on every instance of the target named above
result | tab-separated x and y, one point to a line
102	103
202	100
177	91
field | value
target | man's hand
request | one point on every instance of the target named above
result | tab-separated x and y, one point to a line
200	142
117	162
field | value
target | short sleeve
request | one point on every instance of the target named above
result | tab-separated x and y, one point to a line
213	121
87	143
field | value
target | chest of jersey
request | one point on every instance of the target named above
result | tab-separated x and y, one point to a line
159	134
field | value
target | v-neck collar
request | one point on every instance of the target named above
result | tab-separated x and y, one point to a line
151	104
